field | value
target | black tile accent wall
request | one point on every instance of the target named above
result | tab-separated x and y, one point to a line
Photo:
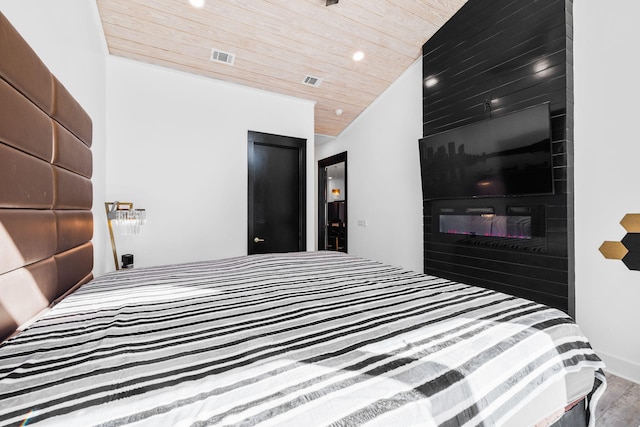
507	55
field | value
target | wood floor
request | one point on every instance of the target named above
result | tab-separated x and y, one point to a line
620	404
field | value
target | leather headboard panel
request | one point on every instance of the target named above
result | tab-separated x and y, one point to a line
23	125
26	291
70	114
70	153
73	265
22	68
73	229
46	195
85	279
26	236
72	191
25	180
7	323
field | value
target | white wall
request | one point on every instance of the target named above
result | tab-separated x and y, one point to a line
177	146
607	176
67	36
383	174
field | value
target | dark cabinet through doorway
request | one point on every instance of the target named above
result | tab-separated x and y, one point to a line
332	203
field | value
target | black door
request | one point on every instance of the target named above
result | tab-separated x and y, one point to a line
277	194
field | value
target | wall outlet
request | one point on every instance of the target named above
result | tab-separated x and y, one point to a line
362	222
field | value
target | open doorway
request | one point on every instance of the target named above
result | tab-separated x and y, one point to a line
332	203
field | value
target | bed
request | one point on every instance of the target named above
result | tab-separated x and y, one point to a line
312	338
300	339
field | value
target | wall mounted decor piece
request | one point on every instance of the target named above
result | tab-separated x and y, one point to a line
628	249
126	218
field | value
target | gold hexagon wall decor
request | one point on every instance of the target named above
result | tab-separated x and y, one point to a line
628	249
631	223
613	250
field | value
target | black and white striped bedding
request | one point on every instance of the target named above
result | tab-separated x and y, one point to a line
300	339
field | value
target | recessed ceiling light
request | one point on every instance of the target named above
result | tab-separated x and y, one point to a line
197	3
358	56
338	112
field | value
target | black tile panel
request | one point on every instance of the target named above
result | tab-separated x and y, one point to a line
560	173
560	302
538	62
522	258
513	54
538	277
559	146
483	30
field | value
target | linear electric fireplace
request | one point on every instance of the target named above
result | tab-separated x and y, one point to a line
488	225
510	227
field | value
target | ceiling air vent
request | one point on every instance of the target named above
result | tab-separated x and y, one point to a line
224	57
312	81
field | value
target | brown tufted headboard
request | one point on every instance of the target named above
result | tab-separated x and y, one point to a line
46	194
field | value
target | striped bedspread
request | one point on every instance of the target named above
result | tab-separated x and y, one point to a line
302	339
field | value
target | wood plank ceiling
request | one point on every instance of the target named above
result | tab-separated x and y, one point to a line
277	43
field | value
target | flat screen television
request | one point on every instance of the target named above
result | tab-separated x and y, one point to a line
508	155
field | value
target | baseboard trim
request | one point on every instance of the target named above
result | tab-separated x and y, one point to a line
620	367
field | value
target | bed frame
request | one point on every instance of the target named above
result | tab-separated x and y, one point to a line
46	194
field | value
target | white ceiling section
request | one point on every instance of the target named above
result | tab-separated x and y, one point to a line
276	43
